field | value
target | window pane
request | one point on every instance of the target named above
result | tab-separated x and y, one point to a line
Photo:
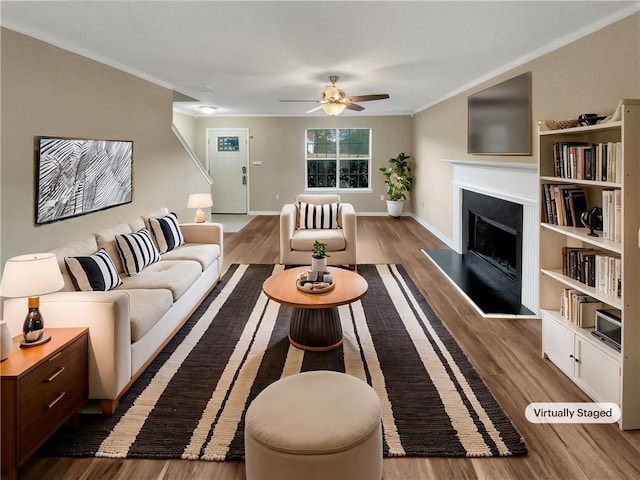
354	173
321	143
354	143
321	173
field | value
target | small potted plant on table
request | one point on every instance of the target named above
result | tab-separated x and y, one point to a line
319	257
399	181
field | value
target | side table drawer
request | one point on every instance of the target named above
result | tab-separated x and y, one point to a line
50	392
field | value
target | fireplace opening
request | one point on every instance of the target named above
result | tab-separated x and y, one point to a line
489	270
495	243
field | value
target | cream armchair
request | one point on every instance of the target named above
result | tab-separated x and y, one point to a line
296	243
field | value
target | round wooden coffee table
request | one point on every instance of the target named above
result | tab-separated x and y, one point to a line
315	322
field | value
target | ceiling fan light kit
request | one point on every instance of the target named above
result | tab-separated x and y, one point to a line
333	109
335	101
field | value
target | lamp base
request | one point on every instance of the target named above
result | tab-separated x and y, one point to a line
45	338
199	218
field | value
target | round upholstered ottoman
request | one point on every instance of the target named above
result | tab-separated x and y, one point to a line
314	425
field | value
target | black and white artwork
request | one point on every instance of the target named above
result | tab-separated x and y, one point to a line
78	176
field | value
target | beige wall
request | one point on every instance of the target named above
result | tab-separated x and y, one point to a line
589	75
49	91
279	143
186	125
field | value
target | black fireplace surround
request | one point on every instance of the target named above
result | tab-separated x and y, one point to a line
489	270
492	239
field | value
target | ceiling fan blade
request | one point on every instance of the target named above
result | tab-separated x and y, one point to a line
315	109
368	98
355	106
313	101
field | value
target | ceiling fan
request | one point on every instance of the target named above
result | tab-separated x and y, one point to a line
334	100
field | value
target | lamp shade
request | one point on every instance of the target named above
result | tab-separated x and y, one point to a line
200	200
333	109
31	275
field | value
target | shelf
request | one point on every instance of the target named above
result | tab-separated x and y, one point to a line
582	332
582	287
588	129
580	233
577	181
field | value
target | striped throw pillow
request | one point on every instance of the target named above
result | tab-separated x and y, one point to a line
318	216
166	231
137	251
96	272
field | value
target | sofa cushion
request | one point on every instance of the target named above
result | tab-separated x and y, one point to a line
201	253
146	308
322	216
107	239
137	251
166	232
303	240
174	275
94	272
85	246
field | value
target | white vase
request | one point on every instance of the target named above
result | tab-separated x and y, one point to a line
319	264
6	342
394	207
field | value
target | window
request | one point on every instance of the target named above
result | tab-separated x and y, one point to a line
338	157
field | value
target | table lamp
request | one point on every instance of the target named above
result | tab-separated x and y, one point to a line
200	201
30	276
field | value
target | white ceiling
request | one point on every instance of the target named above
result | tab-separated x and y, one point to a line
244	56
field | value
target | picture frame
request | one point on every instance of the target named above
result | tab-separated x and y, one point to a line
77	176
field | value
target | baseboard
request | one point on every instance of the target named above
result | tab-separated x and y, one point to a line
441	236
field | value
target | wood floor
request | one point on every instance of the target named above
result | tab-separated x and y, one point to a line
506	353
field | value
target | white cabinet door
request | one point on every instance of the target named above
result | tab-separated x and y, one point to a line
557	343
598	372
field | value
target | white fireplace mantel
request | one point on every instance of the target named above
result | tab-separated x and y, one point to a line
514	182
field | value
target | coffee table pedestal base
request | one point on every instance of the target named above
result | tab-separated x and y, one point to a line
315	329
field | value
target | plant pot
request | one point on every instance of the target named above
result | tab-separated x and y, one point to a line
394	207
319	264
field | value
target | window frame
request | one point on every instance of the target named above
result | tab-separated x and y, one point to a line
338	188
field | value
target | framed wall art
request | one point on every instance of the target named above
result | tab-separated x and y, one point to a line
79	176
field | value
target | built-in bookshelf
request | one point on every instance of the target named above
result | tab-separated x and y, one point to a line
581	168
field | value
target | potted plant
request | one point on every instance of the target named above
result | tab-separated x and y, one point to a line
399	181
319	257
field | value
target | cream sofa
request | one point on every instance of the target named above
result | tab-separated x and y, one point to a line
296	244
129	325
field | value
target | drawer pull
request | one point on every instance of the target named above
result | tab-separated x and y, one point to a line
54	357
56	400
58	372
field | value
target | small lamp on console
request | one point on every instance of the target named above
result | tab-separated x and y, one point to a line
200	201
31	276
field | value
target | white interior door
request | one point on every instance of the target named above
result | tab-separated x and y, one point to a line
228	160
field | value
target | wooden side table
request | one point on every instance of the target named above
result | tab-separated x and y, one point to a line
42	388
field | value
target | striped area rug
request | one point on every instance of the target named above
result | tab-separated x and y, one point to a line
190	402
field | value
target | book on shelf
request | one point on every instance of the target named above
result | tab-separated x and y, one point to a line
579	308
608	270
563	204
612	214
588	161
595	268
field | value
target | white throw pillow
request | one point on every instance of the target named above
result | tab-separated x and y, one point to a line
318	216
137	251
